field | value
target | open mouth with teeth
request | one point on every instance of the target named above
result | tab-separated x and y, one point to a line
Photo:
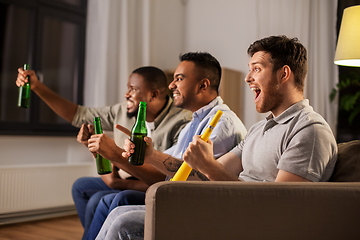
129	104
176	94
257	92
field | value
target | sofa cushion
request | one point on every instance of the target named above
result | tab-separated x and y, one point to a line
347	168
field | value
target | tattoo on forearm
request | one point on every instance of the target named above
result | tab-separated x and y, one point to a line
172	164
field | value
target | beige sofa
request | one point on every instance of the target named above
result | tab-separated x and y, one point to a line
234	210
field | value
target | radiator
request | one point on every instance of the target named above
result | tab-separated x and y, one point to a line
39	191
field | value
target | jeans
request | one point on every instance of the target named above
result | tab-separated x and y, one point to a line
124	223
107	203
86	193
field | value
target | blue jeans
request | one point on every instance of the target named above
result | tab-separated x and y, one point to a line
107	203
86	193
124	223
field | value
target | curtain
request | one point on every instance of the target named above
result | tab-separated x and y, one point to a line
117	42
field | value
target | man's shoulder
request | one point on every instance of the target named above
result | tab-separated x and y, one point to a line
307	116
227	113
179	112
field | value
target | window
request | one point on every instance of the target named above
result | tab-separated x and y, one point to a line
49	35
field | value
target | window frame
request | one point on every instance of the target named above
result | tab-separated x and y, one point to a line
39	10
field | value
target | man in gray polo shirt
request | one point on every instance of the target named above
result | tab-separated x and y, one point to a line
294	143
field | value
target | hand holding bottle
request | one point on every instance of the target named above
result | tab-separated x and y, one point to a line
138	132
103	165
129	147
104	145
25	76
85	132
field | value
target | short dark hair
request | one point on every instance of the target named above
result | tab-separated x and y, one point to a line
154	78
209	65
284	51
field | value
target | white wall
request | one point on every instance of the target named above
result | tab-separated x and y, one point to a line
221	28
125	34
167	32
226	28
42	150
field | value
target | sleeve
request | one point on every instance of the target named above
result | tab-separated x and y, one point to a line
224	137
237	150
308	151
106	114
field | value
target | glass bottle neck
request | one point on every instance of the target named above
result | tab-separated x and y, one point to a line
97	125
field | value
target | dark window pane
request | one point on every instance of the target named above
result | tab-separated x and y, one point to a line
58	62
50	37
14	25
71	2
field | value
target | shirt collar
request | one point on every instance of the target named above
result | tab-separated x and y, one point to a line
202	112
290	113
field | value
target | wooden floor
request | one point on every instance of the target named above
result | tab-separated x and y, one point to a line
62	228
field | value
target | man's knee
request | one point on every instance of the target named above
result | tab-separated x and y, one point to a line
130	197
78	184
129	225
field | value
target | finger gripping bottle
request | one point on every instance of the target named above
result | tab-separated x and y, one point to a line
138	132
102	164
24	92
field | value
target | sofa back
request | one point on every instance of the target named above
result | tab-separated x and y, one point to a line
347	168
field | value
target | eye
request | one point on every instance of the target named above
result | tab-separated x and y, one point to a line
132	89
256	69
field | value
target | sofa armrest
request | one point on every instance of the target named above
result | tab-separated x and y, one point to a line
239	210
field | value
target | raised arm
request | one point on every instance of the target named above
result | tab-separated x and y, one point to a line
61	106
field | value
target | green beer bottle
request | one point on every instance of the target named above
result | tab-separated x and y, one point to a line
24	92
138	132
102	164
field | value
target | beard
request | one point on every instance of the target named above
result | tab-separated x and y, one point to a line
132	114
273	97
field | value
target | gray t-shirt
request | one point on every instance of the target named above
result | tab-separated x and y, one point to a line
298	141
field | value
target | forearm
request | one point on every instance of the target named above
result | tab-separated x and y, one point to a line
165	163
170	165
61	106
128	184
146	173
217	172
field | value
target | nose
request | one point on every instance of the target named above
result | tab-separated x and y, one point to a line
248	78
127	94
172	85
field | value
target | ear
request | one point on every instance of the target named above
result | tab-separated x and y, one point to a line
154	94
204	84
285	73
